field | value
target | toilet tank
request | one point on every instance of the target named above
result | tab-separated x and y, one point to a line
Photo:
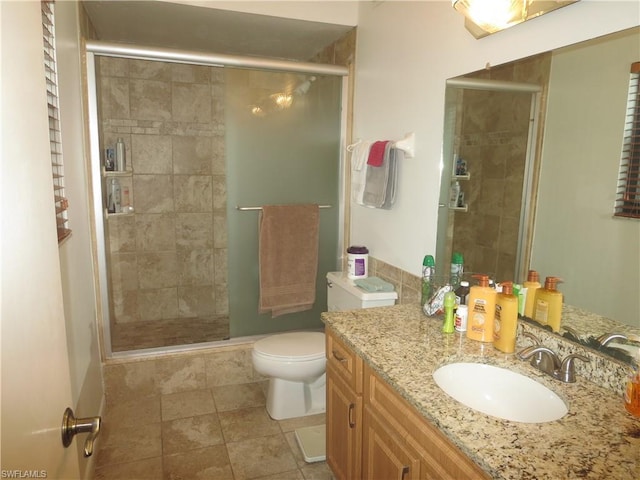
343	294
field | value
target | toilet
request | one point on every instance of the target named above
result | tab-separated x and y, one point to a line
295	361
295	364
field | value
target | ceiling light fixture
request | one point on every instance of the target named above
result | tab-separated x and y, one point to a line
484	17
282	100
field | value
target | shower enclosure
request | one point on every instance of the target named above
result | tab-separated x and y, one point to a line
180	266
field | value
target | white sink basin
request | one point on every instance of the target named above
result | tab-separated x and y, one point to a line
500	392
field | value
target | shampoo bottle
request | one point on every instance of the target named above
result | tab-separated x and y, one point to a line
506	319
454	194
532	285
548	304
482	310
121	156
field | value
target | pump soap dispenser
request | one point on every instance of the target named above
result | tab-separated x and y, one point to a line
482	310
505	323
548	304
532	284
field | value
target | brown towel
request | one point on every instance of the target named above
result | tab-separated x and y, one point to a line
288	257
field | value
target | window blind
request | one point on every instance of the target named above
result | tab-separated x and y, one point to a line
55	140
628	191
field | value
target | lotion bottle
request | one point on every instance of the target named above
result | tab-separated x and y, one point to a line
548	304
482	310
532	285
505	323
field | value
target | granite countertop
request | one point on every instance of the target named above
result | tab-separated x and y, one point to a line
597	438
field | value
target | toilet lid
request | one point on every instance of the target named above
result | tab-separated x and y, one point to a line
294	345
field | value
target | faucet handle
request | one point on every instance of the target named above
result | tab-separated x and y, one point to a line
542	358
567	372
537	359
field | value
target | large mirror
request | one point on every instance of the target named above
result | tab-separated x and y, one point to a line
534	147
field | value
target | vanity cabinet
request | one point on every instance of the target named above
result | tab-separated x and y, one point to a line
373	433
344	410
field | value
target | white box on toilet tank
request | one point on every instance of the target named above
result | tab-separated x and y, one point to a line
343	294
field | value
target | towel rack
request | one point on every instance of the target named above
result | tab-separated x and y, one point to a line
247	209
406	144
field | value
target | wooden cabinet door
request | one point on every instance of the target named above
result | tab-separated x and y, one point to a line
344	428
385	454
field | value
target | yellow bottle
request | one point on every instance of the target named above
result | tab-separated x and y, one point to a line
506	319
548	304
532	285
482	310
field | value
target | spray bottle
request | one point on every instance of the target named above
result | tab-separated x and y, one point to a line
428	274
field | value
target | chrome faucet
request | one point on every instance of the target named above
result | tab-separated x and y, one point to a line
550	364
607	337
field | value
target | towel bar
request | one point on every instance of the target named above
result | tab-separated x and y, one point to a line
246	209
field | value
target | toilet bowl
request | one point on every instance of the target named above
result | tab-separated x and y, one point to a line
295	364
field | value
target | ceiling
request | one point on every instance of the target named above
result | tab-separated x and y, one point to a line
170	25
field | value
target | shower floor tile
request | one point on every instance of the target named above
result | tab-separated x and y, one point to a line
168	332
231	444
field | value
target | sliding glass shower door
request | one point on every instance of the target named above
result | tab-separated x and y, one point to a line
282	135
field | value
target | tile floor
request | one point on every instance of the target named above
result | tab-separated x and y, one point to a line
219	433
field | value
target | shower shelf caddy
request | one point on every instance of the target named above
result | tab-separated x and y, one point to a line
117	173
465	207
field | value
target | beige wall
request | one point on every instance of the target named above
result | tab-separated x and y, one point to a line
576	236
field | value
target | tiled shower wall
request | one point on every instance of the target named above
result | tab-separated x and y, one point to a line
168	259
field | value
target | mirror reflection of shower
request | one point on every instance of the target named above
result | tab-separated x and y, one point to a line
492	127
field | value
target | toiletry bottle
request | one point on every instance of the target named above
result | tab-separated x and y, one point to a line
506	319
457	269
462	313
449	305
462	293
532	285
482	309
114	205
548	304
428	274
632	392
121	156
454	194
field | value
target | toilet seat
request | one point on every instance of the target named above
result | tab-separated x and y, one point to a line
292	347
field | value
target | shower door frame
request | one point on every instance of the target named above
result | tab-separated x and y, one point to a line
94	48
